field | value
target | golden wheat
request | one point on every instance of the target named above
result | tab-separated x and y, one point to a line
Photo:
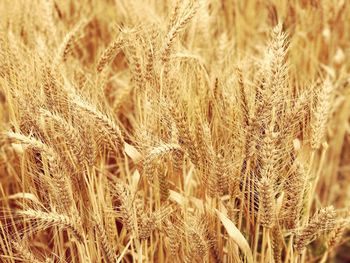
174	131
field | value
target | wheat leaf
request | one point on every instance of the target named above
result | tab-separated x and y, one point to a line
236	235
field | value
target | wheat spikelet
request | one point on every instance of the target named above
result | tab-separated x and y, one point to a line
271	80
162	215
178	158
212	183
27	122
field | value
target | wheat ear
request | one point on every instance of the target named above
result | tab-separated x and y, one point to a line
109	54
320	114
337	234
174	31
63	193
323	220
106	245
267	206
66	46
157	153
49	219
69	133
25	253
109	133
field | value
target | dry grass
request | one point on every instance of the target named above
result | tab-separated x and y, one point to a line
174	131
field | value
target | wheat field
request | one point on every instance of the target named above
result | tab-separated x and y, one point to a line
174	131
